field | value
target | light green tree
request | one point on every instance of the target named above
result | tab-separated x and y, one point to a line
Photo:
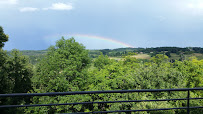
63	69
159	58
101	61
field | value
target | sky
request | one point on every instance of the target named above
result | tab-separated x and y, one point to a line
102	24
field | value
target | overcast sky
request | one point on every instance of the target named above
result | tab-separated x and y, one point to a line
37	24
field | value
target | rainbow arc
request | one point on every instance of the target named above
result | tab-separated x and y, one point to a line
93	37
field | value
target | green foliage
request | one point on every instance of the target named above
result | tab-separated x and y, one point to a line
132	53
63	69
65	62
106	74
4	79
101	61
159	58
16	73
3	37
34	55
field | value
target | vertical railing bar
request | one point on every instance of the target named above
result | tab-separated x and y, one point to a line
92	105
188	102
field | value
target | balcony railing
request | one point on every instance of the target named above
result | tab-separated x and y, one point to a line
102	102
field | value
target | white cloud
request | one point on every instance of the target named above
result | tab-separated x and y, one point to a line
28	9
60	6
8	1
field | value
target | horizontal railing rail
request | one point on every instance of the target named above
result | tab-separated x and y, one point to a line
104	92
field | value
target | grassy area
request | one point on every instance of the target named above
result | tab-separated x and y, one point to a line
139	56
116	58
187	56
142	56
198	55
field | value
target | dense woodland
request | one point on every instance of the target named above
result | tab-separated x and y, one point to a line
68	66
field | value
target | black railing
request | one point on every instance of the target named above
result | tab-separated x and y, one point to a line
103	92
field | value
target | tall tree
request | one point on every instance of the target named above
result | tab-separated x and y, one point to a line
4	85
15	75
64	62
63	69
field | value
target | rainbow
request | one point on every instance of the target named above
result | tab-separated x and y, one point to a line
98	37
102	38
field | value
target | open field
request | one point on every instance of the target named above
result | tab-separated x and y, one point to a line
187	56
198	55
116	58
139	56
142	56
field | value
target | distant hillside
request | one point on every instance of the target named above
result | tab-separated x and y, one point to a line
34	55
175	53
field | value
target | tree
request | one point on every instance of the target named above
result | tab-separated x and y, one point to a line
4	85
63	69
159	58
101	61
16	73
4	79
20	71
64	62
3	37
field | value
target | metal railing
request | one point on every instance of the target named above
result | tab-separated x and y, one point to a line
102	102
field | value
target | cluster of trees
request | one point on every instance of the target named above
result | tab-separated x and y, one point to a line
15	75
197	49
68	67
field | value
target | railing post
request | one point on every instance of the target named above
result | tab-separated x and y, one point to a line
92	107
188	102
